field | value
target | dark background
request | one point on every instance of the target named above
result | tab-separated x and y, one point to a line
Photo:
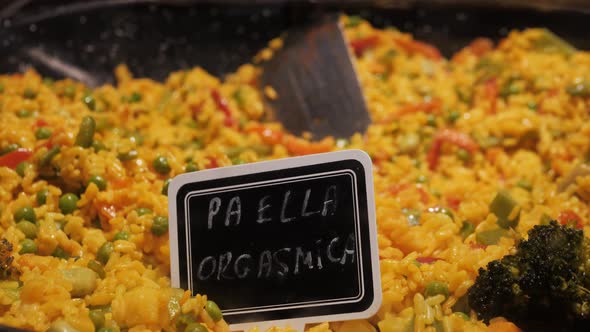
155	39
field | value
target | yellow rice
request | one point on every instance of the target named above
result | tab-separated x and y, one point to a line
181	120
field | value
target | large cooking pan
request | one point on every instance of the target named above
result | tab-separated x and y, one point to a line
87	39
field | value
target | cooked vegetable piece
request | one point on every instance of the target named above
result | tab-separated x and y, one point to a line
85	135
68	203
490	237
503	206
25	213
104	252
213	311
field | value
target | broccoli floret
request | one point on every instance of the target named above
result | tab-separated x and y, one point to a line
544	286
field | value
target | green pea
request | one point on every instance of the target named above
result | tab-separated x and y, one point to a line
129	155
213	311
135	97
190	167
143	211
60	253
122	235
89	101
49	155
237	161
99	181
97	267
462	315
532	105
137	138
97	318
22	167
29	93
43	133
23	113
86	132
421	179
436	288
195	327
463	155
48	81
9	148
28	246
25	213
68	203
42	196
28	228
431	120
69	91
579	89
159	225
165	187
98	146
61	326
161	165
453	116
104	252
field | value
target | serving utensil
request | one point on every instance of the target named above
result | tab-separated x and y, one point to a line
314	77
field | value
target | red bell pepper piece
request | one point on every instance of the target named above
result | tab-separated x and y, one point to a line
15	157
568	217
450	136
360	45
222	104
417	47
492	91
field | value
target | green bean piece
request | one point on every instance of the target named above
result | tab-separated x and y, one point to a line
97	318
106	329
104	252
165	187
60	253
161	165
466	229
22	167
99	181
195	327
502	206
89	101
122	235
9	148
431	120
97	267
29	93
548	42
129	155
98	146
579	89
23	113
511	88
28	246
28	228
524	184
43	133
213	311
25	213
135	97
86	132
490	237
143	211
159	225
436	288
68	203
49	155
61	326
184	320
83	280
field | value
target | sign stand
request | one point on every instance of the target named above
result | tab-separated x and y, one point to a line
285	242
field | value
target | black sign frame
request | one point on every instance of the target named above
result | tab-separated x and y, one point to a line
348	172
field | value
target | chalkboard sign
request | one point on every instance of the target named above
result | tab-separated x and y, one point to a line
291	240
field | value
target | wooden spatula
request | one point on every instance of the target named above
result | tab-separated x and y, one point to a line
316	82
